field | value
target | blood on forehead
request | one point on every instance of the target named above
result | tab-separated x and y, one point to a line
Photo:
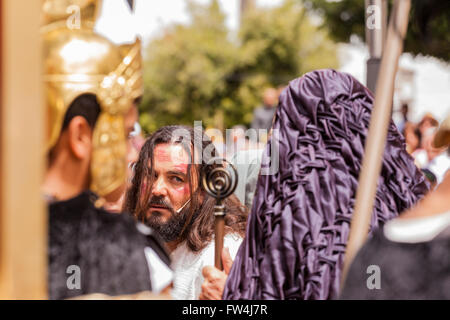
171	156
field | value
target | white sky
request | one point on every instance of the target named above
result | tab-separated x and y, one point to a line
431	82
151	16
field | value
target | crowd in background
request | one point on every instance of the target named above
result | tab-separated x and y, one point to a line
434	162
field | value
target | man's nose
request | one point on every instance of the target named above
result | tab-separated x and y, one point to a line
159	188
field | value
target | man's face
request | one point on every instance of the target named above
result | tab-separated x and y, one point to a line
170	190
270	97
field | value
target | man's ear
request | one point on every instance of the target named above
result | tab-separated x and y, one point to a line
80	137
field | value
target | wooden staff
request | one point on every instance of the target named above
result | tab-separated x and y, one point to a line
376	140
219	182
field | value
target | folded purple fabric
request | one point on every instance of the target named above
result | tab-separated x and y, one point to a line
300	219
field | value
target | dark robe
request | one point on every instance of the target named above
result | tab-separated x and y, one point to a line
300	219
406	270
107	248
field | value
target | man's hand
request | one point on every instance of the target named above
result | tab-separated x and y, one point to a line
212	287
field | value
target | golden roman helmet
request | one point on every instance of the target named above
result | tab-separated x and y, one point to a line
70	13
442	138
79	61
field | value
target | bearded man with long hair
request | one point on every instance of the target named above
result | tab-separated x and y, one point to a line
166	194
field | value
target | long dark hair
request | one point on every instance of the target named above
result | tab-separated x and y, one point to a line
199	227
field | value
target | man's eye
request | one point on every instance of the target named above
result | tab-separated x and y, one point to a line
177	179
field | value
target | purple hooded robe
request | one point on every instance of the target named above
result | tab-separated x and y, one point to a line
300	219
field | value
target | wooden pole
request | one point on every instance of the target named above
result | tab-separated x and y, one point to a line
376	23
23	219
376	139
219	234
219	183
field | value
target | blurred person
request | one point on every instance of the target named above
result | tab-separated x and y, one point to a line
236	140
428	121
167	195
432	152
412	138
89	117
217	139
404	110
248	165
263	115
135	140
440	163
114	200
412	252
429	157
137	137
280	89
425	153
443	134
300	219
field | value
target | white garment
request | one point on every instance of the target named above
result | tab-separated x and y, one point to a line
188	265
439	166
420	158
415	230
160	274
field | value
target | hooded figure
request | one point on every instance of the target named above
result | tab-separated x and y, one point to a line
300	220
411	252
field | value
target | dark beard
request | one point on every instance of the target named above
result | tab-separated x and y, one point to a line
172	228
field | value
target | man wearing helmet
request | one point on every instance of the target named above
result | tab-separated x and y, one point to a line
91	86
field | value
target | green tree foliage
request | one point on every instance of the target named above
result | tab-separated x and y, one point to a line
428	28
197	71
